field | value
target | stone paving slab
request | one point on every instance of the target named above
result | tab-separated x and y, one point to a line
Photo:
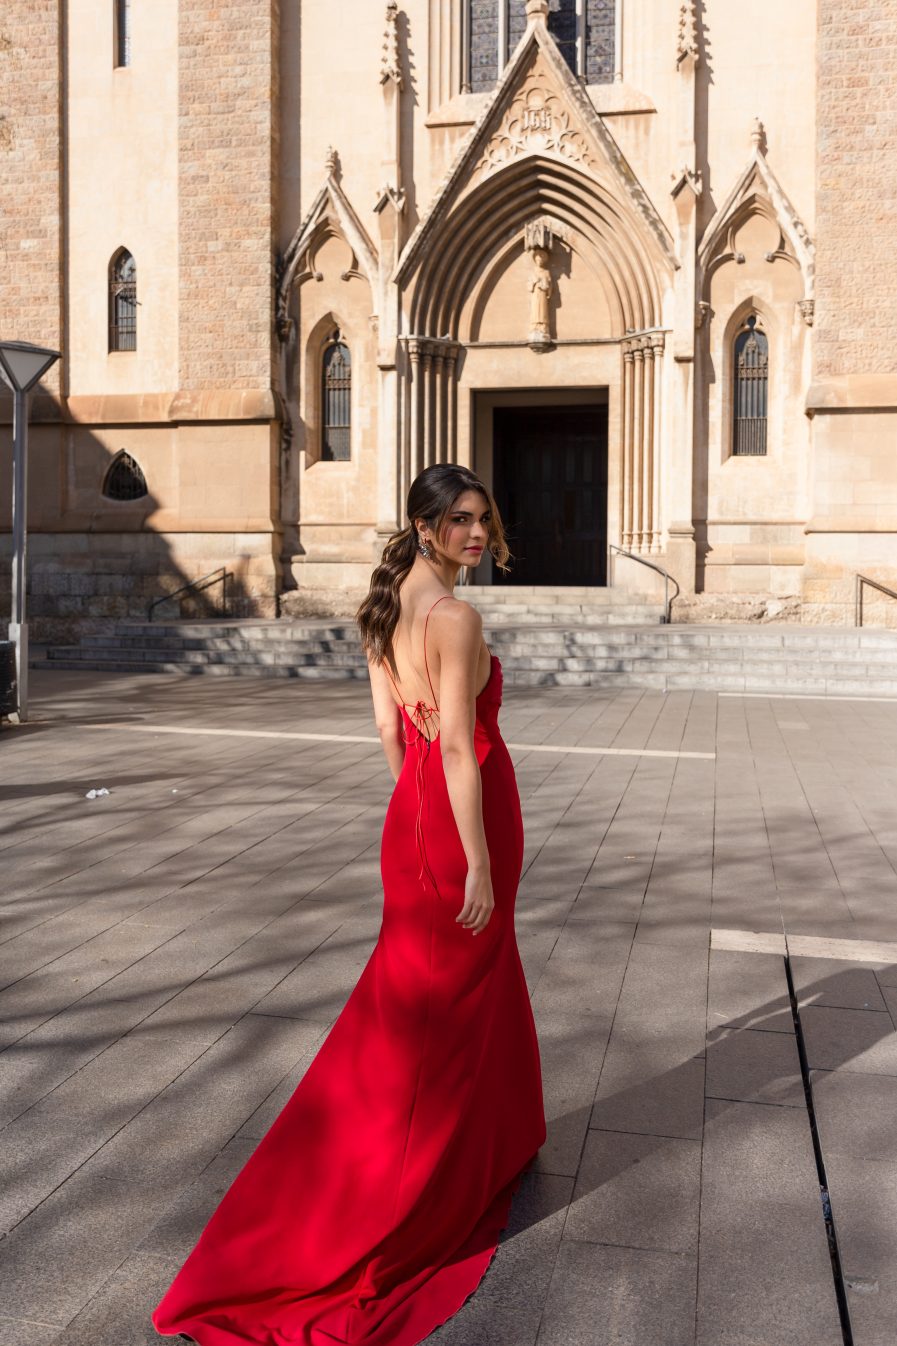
172	956
764	1270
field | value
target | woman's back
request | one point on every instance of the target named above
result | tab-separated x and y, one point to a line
414	662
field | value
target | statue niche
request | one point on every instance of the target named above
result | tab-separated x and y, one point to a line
538	238
541	286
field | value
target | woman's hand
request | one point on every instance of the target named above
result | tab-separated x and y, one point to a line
478	900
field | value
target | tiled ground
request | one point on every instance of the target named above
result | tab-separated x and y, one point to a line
172	956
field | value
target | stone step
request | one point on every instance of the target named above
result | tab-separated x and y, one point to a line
773	660
543	642
593	593
584	653
342	628
717	663
861	685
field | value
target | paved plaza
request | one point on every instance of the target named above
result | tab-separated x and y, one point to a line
708	921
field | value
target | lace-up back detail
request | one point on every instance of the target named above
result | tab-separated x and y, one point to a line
422	712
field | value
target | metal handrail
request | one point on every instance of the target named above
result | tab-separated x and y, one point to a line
860	580
221	573
634	556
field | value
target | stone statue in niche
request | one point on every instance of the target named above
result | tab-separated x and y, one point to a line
541	286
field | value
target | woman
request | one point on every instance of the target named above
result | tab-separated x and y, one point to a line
371	1208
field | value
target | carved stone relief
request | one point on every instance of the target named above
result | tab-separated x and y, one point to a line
536	122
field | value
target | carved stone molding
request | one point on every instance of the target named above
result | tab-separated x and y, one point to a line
390	196
536	122
758	189
330	216
540	110
430	348
687	178
643	345
542	232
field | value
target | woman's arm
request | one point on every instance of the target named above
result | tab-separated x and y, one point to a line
457	641
388	718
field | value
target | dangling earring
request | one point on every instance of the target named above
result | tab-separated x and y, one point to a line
422	546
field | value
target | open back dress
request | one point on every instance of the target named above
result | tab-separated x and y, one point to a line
370	1210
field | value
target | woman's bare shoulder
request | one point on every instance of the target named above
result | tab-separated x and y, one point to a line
458	615
456	627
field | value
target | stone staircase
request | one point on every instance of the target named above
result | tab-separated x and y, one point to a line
536	605
538	644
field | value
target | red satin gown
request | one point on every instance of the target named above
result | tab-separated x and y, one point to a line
370	1210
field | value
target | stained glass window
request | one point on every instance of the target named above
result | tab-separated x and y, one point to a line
483	44
516	23
600	41
751	367
584	31
563	24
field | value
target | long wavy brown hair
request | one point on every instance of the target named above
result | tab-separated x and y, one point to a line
430	497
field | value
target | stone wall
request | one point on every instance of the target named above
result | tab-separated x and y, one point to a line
31	221
228	155
857	188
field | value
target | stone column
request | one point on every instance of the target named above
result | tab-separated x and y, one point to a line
657	343
451	403
647	468
638	440
440	408
428	417
686	190
414	409
627	447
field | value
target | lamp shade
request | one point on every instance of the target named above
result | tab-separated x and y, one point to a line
21	364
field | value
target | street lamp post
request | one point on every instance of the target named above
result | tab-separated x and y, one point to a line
21	366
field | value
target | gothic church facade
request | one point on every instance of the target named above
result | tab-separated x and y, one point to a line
630	260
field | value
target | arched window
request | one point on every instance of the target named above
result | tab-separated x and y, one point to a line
122	31
336	400
122	302
750	367
583	29
124	480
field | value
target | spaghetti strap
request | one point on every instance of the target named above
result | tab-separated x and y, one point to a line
423	711
426	665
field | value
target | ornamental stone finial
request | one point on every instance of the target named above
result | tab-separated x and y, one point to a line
331	162
688	32
758	136
535	10
391	65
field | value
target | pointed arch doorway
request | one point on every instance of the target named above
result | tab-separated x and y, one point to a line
545	457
